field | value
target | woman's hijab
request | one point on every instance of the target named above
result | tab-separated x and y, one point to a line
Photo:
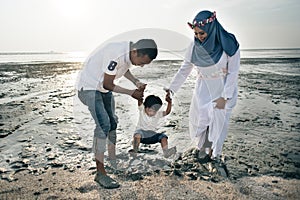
209	51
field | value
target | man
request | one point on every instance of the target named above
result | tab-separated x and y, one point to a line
95	86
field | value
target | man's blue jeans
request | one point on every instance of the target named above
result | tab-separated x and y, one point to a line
102	108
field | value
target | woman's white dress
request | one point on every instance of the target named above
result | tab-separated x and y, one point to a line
213	82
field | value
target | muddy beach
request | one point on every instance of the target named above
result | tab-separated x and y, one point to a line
46	138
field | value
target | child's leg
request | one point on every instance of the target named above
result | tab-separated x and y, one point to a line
136	142
164	143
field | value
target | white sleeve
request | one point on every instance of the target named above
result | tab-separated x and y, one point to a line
159	114
233	66
141	107
183	72
111	68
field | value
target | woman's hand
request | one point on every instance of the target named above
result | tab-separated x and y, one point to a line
168	97
220	103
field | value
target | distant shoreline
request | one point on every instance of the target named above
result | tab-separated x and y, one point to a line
67	52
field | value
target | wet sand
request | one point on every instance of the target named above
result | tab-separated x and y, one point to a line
46	138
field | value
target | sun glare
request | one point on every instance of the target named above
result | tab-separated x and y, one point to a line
71	8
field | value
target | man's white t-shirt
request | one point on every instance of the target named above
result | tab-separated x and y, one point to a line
112	59
146	122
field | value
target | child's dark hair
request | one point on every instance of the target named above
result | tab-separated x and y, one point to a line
146	47
153	102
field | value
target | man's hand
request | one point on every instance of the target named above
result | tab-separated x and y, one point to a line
141	86
138	94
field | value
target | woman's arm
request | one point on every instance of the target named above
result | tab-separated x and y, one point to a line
232	75
233	66
183	72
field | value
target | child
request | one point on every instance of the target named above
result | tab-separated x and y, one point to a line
149	116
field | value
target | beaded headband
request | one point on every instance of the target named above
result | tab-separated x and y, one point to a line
203	22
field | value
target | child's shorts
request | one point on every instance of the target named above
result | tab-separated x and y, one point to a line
150	137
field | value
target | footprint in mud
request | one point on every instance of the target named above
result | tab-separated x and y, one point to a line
87	188
148	151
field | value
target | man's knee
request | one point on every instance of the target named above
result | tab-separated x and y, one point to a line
105	127
113	124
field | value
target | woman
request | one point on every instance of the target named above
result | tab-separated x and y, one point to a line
215	55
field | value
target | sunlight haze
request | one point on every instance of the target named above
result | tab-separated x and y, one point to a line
82	25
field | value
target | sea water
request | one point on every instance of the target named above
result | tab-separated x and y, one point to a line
17	65
14	66
40	57
275	61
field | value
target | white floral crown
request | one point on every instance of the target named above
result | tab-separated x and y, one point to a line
203	22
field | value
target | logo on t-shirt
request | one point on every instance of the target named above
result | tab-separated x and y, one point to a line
112	65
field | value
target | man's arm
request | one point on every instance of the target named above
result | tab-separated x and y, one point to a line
130	77
134	80
108	84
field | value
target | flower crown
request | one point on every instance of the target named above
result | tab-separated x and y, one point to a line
203	22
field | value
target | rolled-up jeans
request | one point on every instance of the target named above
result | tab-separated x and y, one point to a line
102	108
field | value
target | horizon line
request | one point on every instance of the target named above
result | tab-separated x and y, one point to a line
63	52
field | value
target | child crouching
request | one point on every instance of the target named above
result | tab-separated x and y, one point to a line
149	116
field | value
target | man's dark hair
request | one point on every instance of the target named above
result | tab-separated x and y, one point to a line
146	47
153	102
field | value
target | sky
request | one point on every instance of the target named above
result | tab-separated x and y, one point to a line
82	25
